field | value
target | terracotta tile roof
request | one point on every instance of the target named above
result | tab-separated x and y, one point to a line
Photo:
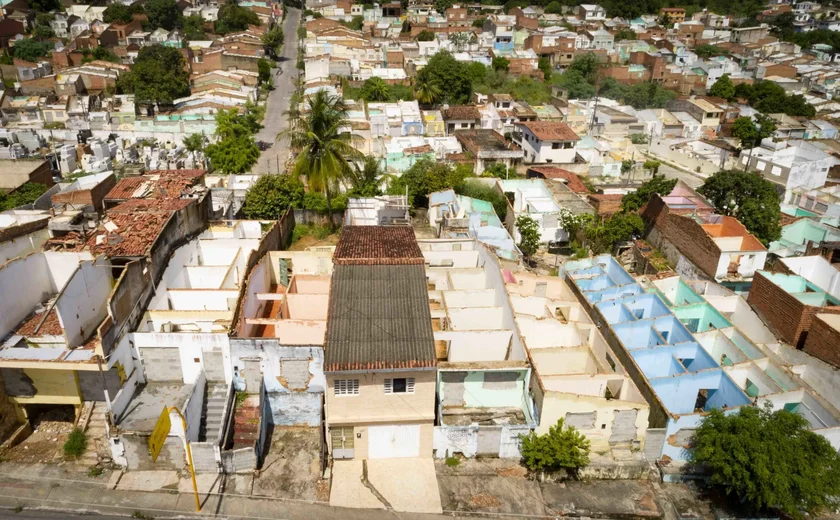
551	131
552	172
50	327
377	245
461	112
155	184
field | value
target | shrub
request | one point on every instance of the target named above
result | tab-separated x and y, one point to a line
76	443
563	447
453	462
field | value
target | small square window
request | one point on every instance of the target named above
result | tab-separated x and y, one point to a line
399	385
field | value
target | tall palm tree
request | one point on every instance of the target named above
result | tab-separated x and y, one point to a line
326	154
427	91
375	89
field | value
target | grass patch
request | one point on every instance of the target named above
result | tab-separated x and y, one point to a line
240	398
313	230
95	471
141	516
453	462
76	443
18	508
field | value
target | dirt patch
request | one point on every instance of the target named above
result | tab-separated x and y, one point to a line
292	466
513	471
322	490
308	241
49	431
484	500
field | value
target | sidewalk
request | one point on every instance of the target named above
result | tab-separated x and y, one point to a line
77	495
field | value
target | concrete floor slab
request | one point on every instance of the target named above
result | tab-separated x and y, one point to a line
207	483
148	480
348	489
393	477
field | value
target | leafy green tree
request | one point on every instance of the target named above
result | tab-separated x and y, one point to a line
263	70
749	134
707	51
749	197
44	6
501	64
563	447
459	40
234	18
356	23
625	34
442	5
194	142
301	32
326	152
118	13
769	461
554	8
425	36
529	236
613	89
163	13
193	27
23	195
652	165
445	70
479	22
620	227
273	40
648	95
634	200
375	89
159	75
477	190
639	138
723	88
271	196
497	170
544	64
365	178
427	91
100	54
424	177
575	83
476	72
29	49
587	65
230	123
234	155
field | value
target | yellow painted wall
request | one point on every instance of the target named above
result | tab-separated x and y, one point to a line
52	387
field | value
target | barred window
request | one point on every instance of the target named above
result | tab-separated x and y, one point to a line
346	387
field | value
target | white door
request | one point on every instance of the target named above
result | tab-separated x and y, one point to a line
388	442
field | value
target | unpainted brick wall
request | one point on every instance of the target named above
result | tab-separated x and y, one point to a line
692	241
823	342
788	316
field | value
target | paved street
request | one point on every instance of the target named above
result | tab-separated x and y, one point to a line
278	100
672	173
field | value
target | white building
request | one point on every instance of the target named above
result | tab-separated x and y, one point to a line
547	142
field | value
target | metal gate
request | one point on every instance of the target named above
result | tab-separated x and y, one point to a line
342	442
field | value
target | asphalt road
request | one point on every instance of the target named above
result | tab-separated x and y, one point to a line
279	98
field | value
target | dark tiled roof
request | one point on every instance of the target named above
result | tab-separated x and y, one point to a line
377	245
379	319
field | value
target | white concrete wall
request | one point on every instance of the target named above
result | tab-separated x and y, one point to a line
816	270
23	245
208	300
484	318
476	345
83	302
190	347
28	279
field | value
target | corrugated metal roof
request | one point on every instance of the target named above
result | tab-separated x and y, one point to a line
379	319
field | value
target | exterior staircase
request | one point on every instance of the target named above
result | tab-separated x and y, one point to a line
98	448
246	423
212	412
